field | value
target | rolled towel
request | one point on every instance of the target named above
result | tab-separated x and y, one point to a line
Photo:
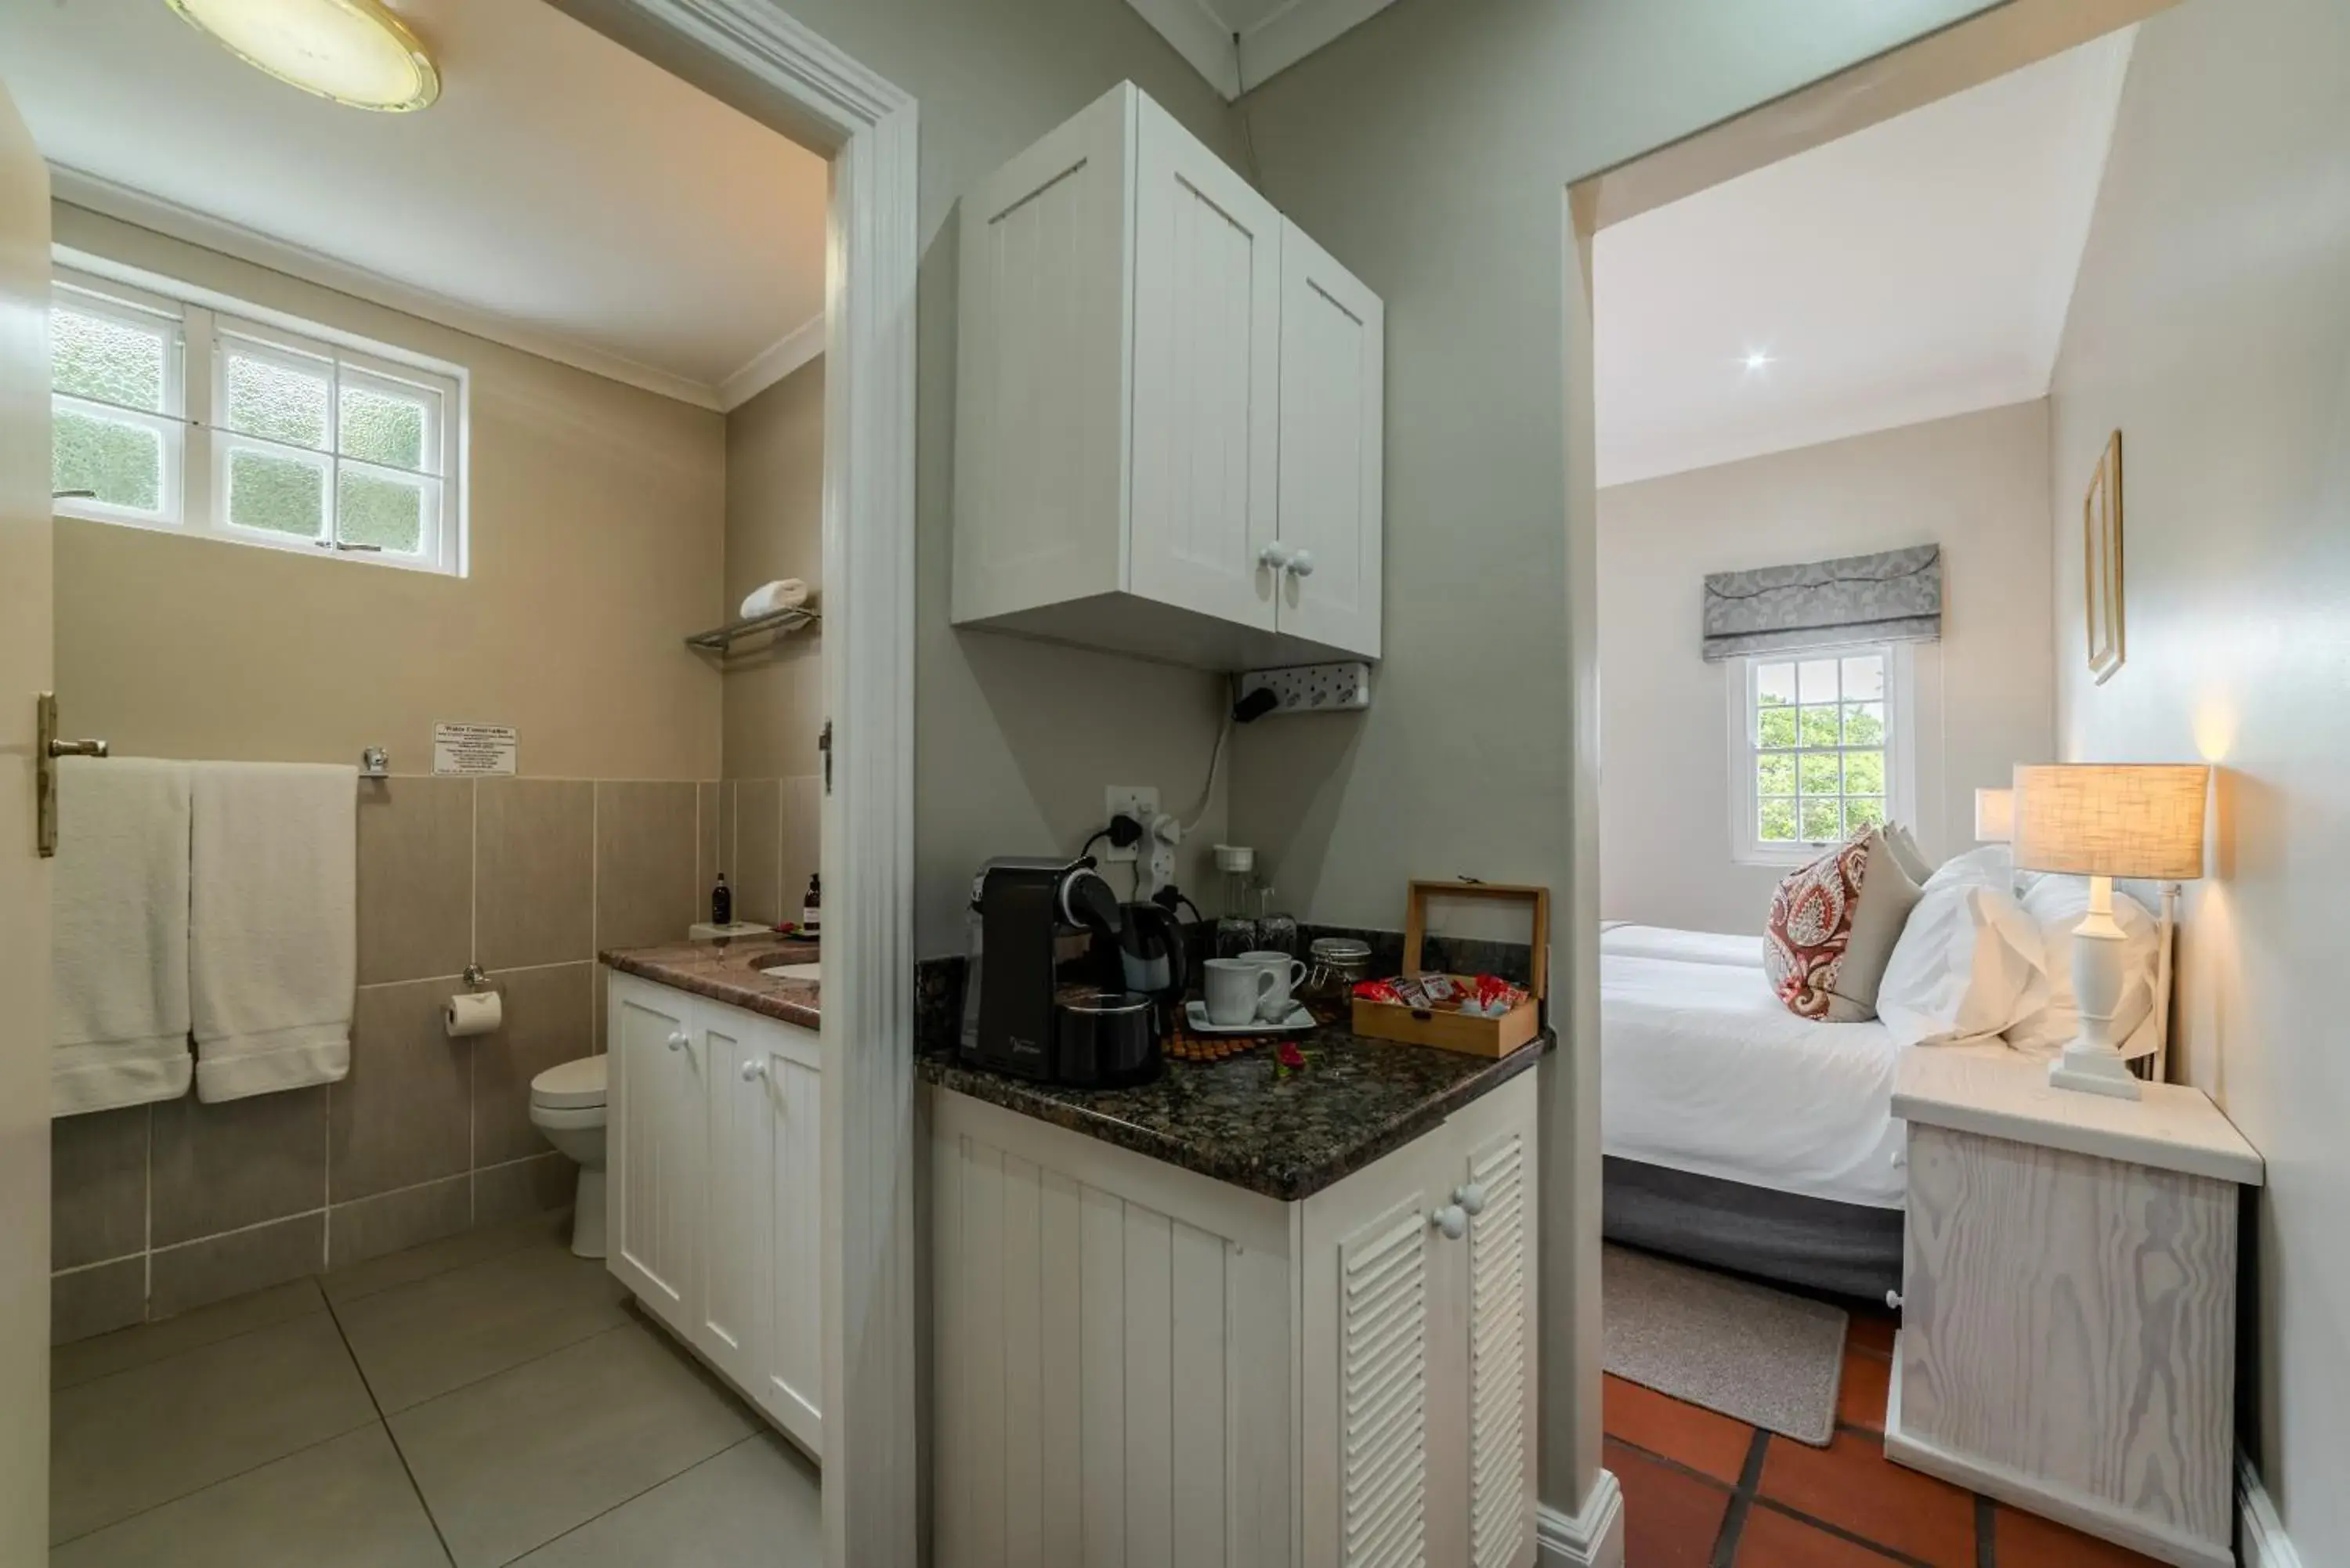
783	594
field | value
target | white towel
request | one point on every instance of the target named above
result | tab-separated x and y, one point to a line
273	936
783	594
119	959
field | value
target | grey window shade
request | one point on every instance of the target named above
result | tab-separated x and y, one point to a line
1894	597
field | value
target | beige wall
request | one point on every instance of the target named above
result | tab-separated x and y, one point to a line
2212	325
597	531
774	529
1976	485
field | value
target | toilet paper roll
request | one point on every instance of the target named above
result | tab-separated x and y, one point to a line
472	1012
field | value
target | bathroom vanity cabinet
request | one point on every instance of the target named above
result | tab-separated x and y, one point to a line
1169	410
1135	1361
714	1218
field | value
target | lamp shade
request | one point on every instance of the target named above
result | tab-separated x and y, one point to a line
1994	815
2111	819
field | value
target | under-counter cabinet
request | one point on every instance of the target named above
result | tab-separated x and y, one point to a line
1169	409
2068	1300
713	1150
1137	1363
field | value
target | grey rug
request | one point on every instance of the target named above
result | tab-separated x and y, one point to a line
1754	1354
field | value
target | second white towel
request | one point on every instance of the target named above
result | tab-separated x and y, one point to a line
783	594
273	925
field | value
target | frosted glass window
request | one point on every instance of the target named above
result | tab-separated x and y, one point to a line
181	411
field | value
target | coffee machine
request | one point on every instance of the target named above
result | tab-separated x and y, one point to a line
1067	985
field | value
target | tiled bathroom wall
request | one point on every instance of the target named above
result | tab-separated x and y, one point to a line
157	1209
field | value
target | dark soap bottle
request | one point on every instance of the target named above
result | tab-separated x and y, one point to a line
722	903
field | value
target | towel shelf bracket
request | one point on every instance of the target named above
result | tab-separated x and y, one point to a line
721	639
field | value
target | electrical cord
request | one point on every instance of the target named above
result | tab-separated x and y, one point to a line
1215	761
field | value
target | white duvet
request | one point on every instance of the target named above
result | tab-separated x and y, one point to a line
1704	1070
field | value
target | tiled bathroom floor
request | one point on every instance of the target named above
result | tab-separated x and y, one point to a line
479	1401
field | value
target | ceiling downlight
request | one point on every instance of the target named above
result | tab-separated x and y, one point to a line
352	52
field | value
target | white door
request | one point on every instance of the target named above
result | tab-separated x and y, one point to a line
790	1385
1041	387
1207	380
1333	427
25	671
733	1048
654	1149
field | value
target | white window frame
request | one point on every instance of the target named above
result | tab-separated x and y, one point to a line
1747	847
195	479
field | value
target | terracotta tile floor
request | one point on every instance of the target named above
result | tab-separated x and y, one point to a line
1702	1490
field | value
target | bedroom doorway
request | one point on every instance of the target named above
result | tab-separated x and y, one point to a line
1822	337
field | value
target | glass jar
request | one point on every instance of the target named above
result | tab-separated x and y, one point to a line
1336	965
1275	932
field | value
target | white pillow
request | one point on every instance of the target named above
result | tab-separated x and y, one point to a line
1966	967
2056	905
1992	866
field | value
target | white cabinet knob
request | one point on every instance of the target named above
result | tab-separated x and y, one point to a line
752	1070
1893	1300
1301	562
1450	1220
679	1040
1471	1197
1275	555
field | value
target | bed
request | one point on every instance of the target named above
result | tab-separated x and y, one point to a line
1736	1133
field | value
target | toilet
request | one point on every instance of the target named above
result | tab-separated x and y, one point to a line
566	1104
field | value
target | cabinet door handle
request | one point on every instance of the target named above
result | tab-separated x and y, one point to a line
1893	1300
678	1040
1471	1197
1277	556
752	1070
1301	563
1450	1220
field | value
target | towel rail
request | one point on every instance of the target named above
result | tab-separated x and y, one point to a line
721	639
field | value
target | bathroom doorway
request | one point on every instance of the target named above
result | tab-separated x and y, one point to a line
612	416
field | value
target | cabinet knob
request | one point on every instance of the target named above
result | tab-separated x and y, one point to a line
1893	1300
1450	1220
678	1040
752	1070
1301	562
1275	555
1471	1197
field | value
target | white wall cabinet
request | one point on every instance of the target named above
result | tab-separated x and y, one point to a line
714	1196
1134	1362
1170	408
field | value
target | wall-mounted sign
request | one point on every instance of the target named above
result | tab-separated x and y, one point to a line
473	748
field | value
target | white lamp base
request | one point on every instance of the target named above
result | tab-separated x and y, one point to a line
2095	1072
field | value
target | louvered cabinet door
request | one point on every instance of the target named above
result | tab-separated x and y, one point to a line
1386	1347
1501	1326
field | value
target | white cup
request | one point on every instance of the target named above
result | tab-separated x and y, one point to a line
1287	973
1235	990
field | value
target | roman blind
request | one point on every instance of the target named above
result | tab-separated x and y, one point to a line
1894	596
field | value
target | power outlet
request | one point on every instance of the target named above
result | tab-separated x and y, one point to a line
1314	688
1139	802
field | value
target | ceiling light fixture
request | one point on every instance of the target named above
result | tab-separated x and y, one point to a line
1757	359
353	52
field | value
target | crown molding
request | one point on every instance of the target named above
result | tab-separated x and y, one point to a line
110	199
772	364
1236	62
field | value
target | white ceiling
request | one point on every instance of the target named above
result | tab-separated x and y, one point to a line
564	196
1917	269
1236	43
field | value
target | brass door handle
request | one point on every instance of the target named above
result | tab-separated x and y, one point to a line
46	750
76	748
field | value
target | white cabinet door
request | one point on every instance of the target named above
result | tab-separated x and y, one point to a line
1040	412
789	1385
734	1048
1207	417
1332	423
1500	1327
654	1148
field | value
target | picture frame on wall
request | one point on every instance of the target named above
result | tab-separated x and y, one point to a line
2101	565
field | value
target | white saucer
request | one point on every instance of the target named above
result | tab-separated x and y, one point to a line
1195	1015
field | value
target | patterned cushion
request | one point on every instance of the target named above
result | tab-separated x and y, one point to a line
1811	925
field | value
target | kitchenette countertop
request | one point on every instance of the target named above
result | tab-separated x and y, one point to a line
1286	1137
728	971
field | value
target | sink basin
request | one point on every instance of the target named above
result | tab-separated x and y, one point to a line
811	971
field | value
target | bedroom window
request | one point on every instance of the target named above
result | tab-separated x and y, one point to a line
1818	748
178	412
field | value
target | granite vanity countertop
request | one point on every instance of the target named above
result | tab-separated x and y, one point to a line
728	971
1290	1138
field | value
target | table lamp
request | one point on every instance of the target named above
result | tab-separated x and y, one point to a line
2101	821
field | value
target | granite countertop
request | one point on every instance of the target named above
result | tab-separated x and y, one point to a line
1357	1100
728	971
